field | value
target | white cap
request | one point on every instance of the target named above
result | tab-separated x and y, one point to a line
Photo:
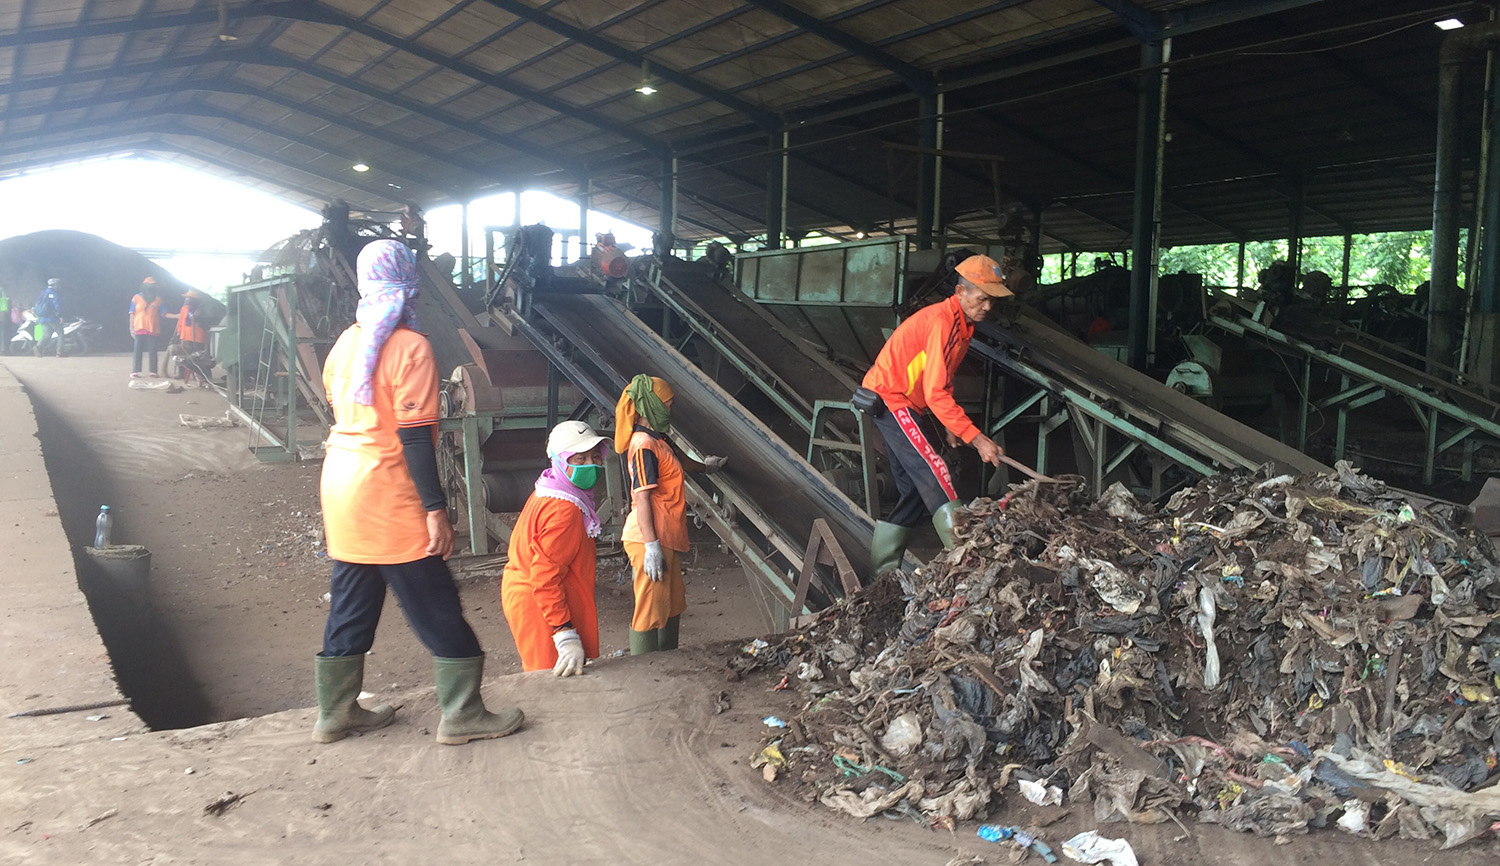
571	437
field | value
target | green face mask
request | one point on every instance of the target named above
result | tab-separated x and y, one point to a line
585	476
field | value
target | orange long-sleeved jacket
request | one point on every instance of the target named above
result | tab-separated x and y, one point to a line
549	581
915	368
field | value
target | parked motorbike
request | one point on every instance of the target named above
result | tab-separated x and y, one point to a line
75	335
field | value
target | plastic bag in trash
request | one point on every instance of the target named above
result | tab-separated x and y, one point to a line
1090	847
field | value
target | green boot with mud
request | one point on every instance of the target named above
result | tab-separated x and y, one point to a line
642	642
666	636
942	520
887	547
464	715
339	679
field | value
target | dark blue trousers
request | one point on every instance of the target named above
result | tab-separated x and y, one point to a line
427	595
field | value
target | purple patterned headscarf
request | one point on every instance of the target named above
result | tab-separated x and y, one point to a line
387	291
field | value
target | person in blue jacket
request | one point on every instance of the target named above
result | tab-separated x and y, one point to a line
48	310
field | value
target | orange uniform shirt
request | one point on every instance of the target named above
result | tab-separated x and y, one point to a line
372	512
915	368
549	581
187	330
653	466
145	318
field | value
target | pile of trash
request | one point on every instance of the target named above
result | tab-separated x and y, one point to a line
1265	653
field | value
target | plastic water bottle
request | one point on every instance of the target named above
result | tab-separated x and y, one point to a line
102	526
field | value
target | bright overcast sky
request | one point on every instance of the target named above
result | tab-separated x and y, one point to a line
150	204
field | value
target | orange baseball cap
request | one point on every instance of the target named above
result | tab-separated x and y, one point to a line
984	272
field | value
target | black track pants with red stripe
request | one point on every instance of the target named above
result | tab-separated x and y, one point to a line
922	478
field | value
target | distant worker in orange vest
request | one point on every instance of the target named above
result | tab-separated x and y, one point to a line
385	515
548	588
656	532
145	324
192	335
912	377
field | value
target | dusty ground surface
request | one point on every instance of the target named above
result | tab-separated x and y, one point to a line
238	563
638	761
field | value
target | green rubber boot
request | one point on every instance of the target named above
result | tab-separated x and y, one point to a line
887	547
339	679
464	715
942	519
642	642
666	636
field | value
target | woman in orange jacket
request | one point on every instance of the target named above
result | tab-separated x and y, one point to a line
656	532
548	588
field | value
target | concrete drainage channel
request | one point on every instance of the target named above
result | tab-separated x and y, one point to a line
148	661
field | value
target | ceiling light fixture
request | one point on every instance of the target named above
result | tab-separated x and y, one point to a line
1449	24
359	166
645	89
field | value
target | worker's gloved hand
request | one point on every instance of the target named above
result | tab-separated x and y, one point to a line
656	561
569	653
714	464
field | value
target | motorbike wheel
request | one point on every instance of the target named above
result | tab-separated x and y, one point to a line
77	345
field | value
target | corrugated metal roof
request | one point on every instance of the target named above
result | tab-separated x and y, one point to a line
1269	102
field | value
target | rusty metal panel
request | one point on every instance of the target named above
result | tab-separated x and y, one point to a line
862	273
872	274
821	280
778	279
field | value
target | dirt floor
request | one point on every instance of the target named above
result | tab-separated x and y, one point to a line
642	760
239	568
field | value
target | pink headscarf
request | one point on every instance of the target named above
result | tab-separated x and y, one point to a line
388	286
554	484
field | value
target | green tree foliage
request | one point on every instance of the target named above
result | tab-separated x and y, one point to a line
1400	259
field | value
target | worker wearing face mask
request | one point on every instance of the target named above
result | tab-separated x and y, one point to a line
548	588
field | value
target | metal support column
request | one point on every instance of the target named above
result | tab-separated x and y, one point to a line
554	385
1304	405
929	166
583	217
776	191
1348	252
1239	279
1294	238
465	269
668	222
1488	299
1149	148
474	430
1447	201
291	367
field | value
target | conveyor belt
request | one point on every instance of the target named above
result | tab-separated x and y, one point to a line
1034	342
765	482
794	365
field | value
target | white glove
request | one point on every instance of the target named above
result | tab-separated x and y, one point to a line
569	653
714	464
656	561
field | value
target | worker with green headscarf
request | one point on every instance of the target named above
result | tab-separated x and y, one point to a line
655	534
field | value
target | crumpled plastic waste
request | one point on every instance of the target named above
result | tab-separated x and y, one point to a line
1042	795
1090	847
1022	839
1251	654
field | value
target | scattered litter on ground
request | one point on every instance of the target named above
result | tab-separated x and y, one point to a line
220	805
169	386
1268	653
203	422
100	818
1090	847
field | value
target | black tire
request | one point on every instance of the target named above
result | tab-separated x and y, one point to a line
75	344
